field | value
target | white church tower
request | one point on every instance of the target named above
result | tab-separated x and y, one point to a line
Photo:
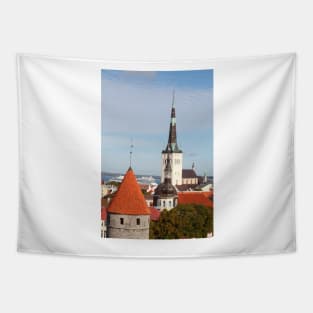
172	152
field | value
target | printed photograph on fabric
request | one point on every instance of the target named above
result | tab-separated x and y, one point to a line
157	178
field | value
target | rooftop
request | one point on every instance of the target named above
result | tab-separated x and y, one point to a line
185	187
189	173
129	198
155	214
195	197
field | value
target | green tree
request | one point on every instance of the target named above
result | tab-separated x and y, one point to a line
184	221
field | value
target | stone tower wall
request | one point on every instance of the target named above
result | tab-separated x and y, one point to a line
129	228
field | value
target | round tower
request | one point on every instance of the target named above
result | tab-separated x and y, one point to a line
128	213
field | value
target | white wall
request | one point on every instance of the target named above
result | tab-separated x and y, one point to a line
176	165
141	30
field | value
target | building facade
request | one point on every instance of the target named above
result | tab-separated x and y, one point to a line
189	177
165	195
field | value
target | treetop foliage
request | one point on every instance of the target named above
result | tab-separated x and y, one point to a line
182	222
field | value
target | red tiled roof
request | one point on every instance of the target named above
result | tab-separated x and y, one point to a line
208	194
155	214
103	213
129	198
195	197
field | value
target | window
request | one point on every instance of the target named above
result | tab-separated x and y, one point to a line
122	221
170	204
138	221
164	204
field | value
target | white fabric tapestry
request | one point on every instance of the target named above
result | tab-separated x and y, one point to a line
156	159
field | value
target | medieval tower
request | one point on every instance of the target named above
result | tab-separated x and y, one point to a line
128	213
172	152
165	195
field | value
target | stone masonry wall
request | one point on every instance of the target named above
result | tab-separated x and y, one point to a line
129	228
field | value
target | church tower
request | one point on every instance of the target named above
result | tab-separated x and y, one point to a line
165	195
172	152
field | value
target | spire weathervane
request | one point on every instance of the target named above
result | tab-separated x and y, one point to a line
131	152
173	98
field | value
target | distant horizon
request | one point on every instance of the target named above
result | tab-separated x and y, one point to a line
144	174
136	108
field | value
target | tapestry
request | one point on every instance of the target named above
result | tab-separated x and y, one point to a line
156	159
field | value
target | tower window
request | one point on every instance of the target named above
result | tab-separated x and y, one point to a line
122	221
138	221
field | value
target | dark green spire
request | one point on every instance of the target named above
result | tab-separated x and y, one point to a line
172	145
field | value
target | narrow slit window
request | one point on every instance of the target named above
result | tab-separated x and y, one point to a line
122	221
138	221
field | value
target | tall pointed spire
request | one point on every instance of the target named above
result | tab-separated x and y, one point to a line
172	156
172	145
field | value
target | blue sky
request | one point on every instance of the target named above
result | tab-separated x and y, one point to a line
136	106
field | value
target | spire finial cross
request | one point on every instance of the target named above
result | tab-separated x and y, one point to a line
173	98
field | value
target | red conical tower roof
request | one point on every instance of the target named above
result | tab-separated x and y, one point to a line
129	198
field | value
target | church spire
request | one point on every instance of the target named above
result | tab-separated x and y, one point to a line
172	137
172	156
